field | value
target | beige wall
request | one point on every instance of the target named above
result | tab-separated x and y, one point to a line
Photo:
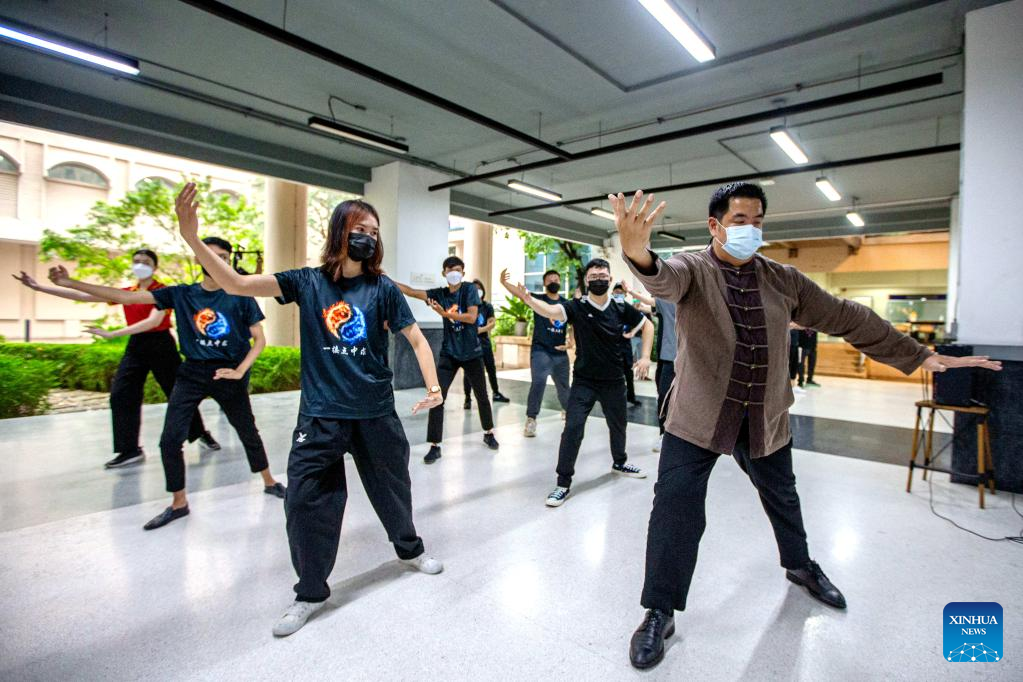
872	254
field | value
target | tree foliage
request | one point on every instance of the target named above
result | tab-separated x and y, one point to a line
568	255
102	247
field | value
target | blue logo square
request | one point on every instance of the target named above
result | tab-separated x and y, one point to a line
973	632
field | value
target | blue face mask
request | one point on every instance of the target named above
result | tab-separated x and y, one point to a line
743	241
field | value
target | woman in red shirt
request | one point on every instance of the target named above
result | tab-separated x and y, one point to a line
151	348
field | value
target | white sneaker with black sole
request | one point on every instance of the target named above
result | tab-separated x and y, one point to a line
425	564
557	497
123	459
295	617
628	470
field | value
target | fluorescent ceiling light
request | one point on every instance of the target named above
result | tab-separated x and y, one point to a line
766	183
680	29
602	213
788	145
356	135
107	60
828	190
679	237
855	218
526	188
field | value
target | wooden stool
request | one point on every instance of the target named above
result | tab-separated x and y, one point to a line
985	467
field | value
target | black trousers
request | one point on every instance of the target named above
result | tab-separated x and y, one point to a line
194	383
678	518
318	491
488	364
153	352
808	358
793	353
447	367
664	375
630	382
582	396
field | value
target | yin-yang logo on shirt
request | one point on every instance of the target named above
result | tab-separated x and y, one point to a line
211	323
346	322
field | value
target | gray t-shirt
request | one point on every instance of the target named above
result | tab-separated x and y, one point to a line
668	344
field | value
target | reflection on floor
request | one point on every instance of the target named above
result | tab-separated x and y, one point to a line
528	592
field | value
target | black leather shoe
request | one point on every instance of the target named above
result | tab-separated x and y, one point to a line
433	455
467	405
166	516
208	441
125	458
490	441
277	490
813	579
500	397
647	646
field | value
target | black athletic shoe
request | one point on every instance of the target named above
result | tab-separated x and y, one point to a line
208	442
500	397
647	646
635	403
467	405
125	458
813	383
813	579
166	516
277	490
433	455
490	441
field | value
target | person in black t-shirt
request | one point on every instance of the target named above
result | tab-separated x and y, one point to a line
458	304
618	295
548	355
485	321
215	329
346	308
807	356
597	322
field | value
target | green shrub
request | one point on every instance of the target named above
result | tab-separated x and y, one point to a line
24	385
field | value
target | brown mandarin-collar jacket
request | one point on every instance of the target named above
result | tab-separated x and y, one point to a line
706	340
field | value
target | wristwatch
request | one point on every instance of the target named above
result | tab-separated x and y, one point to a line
433	389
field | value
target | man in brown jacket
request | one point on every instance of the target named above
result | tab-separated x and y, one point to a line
732	392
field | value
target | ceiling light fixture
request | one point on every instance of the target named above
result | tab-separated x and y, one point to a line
855	218
766	183
680	29
356	135
527	188
828	190
67	48
664	233
784	140
602	213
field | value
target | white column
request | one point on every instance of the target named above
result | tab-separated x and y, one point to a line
285	244
413	227
991	248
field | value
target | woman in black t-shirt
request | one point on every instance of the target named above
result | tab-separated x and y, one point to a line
346	308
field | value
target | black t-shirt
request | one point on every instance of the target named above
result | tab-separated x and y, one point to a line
461	341
344	343
549	333
486	311
598	333
212	325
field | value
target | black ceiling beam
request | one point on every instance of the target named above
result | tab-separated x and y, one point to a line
878	158
723	124
297	42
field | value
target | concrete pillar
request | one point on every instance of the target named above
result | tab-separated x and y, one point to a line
285	244
479	249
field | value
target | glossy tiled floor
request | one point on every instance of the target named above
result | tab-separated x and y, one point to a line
528	592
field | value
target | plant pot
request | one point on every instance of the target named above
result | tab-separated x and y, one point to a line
520	328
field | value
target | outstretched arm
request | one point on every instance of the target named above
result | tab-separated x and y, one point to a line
227	277
554	312
412	293
69	294
424	355
643	298
59	276
152	322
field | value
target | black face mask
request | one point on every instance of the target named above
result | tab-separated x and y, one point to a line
361	246
598	286
553	287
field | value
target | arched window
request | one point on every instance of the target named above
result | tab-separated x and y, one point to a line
8	186
80	173
156	178
230	194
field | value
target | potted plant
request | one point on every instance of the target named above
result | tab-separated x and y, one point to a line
519	312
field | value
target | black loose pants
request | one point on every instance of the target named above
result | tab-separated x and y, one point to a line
447	367
194	383
488	363
582	396
678	518
153	352
664	375
318	491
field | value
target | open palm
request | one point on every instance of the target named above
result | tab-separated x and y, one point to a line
941	363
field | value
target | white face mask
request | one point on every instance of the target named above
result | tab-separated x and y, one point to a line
141	270
453	277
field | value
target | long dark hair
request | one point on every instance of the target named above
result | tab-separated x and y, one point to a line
335	249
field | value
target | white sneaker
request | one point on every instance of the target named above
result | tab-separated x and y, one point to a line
628	470
530	430
799	390
295	617
426	564
557	497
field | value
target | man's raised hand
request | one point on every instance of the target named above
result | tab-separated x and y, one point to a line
516	290
187	209
635	222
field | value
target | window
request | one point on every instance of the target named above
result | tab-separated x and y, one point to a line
8	187
230	194
155	178
535	267
78	172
